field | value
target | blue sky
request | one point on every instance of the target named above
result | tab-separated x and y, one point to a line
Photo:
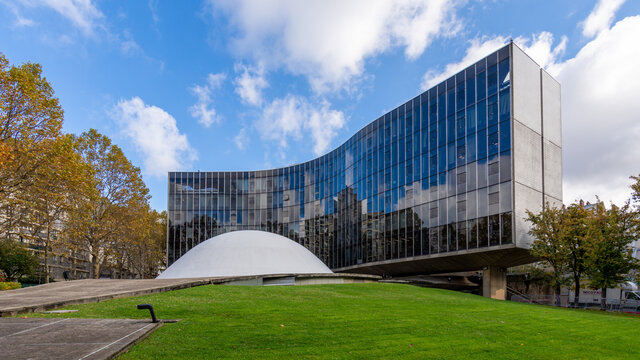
247	85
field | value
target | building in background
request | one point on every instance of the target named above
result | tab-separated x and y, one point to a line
438	184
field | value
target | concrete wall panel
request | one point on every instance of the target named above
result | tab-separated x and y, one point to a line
551	123
552	169
527	156
526	91
525	199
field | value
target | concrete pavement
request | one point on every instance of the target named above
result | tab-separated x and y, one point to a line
64	293
70	338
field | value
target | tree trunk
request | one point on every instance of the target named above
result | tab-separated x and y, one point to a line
46	255
95	264
603	299
576	293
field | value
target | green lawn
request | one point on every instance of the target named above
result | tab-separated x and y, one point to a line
367	321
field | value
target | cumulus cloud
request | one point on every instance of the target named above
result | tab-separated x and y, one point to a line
83	14
250	83
600	114
155	134
539	47
241	139
328	41
293	117
203	109
601	17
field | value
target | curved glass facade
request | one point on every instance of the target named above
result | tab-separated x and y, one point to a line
432	176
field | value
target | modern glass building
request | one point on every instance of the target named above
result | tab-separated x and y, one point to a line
438	184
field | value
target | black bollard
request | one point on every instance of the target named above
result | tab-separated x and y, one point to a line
150	307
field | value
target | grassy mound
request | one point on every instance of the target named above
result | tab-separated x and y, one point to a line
367	321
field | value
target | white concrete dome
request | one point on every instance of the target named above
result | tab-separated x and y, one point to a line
244	253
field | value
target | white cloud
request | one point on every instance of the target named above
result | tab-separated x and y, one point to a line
295	117
83	14
241	139
600	17
600	115
328	41
539	47
250	83
203	109
155	134
478	49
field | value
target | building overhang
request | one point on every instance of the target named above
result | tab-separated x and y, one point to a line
463	260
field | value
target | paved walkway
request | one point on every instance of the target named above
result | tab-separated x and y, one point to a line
58	294
70	338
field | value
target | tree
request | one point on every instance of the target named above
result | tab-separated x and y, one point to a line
608	255
635	187
49	198
549	229
99	218
561	235
575	239
30	117
16	261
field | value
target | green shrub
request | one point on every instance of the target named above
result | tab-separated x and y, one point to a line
9	285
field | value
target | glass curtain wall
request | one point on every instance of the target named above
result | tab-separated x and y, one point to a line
431	176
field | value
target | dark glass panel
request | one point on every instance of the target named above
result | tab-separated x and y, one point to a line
460	125
481	85
506	234
505	135
492	80
471	90
483	231
462	235
503	72
460	96
494	230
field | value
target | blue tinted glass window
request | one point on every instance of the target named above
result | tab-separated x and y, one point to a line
493	140
401	150
408	125
442	132
409	148
492	110
471	147
442	106
425	166
481	85
451	156
471	90
505	105
451	129
461	153
482	144
460	125
481	115
401	172
471	119
424	119
505	135
433	165
460	97
492	80
451	102
505	166
401	126
394	176
433	139
503	72
442	159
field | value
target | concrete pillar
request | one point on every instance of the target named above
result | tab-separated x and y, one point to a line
494	282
